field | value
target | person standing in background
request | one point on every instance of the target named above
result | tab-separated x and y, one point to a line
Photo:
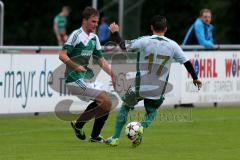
201	32
60	24
103	31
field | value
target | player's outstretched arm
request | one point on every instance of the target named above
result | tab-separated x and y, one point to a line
105	66
115	37
188	65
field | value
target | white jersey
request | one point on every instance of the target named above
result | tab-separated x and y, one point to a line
156	53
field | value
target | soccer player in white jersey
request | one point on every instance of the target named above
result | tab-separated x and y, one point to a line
156	53
76	53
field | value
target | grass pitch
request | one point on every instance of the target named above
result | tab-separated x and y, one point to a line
176	134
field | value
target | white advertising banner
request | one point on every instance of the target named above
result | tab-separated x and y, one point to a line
26	82
220	73
5	65
174	97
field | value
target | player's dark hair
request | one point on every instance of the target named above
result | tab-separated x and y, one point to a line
159	23
88	12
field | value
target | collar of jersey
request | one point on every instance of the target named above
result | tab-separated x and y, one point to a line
90	36
158	36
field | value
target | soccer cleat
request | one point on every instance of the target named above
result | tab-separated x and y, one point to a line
140	131
112	141
80	134
138	140
99	139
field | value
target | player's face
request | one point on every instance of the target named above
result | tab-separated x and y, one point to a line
66	12
206	17
92	23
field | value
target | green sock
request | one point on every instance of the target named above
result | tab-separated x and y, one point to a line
151	107
121	120
149	117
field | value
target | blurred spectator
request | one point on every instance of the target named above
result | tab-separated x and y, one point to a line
60	24
103	31
201	31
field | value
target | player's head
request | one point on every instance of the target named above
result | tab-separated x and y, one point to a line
159	24
66	10
90	18
206	15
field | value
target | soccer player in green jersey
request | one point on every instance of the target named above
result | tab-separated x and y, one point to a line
81	45
155	55
60	24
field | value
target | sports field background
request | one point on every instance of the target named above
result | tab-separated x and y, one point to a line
202	134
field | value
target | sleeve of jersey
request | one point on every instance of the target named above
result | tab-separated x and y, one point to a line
70	43
133	44
179	55
98	49
56	19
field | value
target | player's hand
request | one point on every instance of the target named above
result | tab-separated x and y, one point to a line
197	83
114	27
80	69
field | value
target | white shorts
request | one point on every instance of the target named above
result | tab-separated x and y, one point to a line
86	90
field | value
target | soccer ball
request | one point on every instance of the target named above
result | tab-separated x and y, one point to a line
132	130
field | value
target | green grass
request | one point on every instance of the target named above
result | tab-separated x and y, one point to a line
176	134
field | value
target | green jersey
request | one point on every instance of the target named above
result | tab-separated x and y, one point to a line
61	22
80	47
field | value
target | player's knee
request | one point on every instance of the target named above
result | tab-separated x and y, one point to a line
107	104
105	99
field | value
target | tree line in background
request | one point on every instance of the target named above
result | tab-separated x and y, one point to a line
31	22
